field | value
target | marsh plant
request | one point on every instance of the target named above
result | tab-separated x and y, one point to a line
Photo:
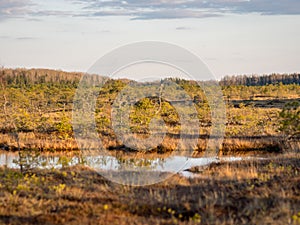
28	160
290	120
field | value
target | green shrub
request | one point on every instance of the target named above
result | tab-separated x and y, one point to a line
290	119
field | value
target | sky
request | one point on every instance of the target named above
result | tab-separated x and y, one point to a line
230	36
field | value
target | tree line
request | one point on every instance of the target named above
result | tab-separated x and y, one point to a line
23	77
255	80
26	77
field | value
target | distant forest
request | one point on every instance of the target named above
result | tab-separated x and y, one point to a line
25	77
255	80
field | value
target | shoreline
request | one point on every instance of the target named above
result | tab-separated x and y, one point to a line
236	144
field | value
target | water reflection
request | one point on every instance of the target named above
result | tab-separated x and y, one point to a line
110	163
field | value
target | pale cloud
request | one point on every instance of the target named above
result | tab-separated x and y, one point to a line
183	28
171	9
147	9
13	8
19	38
173	14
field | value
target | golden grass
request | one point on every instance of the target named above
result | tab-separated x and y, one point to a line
231	145
251	144
42	142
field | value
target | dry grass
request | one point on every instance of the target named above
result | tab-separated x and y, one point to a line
233	145
42	142
230	146
252	145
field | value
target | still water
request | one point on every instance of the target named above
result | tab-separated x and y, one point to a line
172	164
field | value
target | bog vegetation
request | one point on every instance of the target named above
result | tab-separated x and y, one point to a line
262	115
36	110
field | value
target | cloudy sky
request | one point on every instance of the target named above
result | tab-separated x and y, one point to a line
230	36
